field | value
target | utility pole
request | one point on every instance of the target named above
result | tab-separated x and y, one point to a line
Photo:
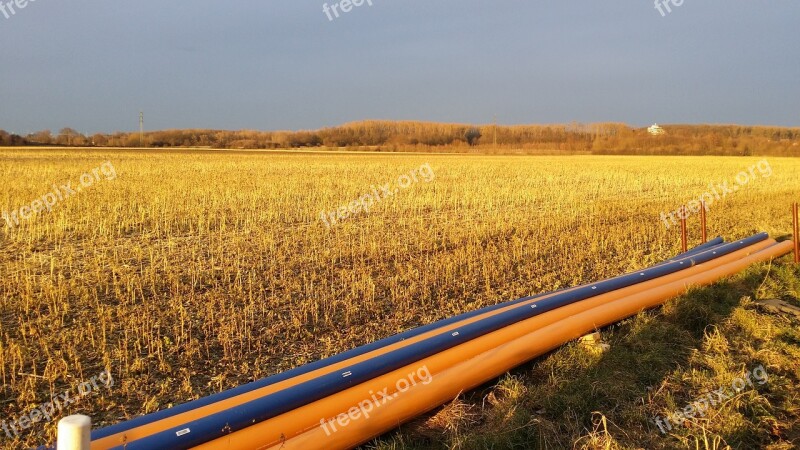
141	129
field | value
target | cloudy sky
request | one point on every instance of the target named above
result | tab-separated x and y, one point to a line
282	64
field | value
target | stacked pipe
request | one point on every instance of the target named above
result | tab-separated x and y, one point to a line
295	409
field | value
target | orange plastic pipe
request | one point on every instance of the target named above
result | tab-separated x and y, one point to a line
198	413
448	384
285	426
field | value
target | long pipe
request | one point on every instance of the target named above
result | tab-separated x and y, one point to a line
288	425
712	243
141	426
211	419
223	421
716	242
468	374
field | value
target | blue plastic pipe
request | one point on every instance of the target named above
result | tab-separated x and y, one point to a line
219	424
205	401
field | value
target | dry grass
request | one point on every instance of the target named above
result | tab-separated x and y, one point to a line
194	272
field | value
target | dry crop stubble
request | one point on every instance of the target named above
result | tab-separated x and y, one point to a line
195	271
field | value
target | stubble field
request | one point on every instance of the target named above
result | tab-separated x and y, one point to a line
189	272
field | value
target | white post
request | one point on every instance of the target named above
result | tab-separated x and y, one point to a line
74	433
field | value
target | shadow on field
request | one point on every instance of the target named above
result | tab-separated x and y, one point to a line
569	397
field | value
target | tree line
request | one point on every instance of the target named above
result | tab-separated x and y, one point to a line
597	138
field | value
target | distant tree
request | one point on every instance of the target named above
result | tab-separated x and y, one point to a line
66	136
79	140
99	139
472	135
44	137
606	138
13	140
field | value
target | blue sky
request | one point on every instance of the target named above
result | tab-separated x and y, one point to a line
281	64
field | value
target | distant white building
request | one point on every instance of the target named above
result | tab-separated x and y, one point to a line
656	130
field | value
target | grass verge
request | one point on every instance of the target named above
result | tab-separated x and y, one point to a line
660	361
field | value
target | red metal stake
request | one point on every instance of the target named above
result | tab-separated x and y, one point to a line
684	237
703	221
796	236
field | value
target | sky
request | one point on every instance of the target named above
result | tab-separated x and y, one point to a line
283	64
